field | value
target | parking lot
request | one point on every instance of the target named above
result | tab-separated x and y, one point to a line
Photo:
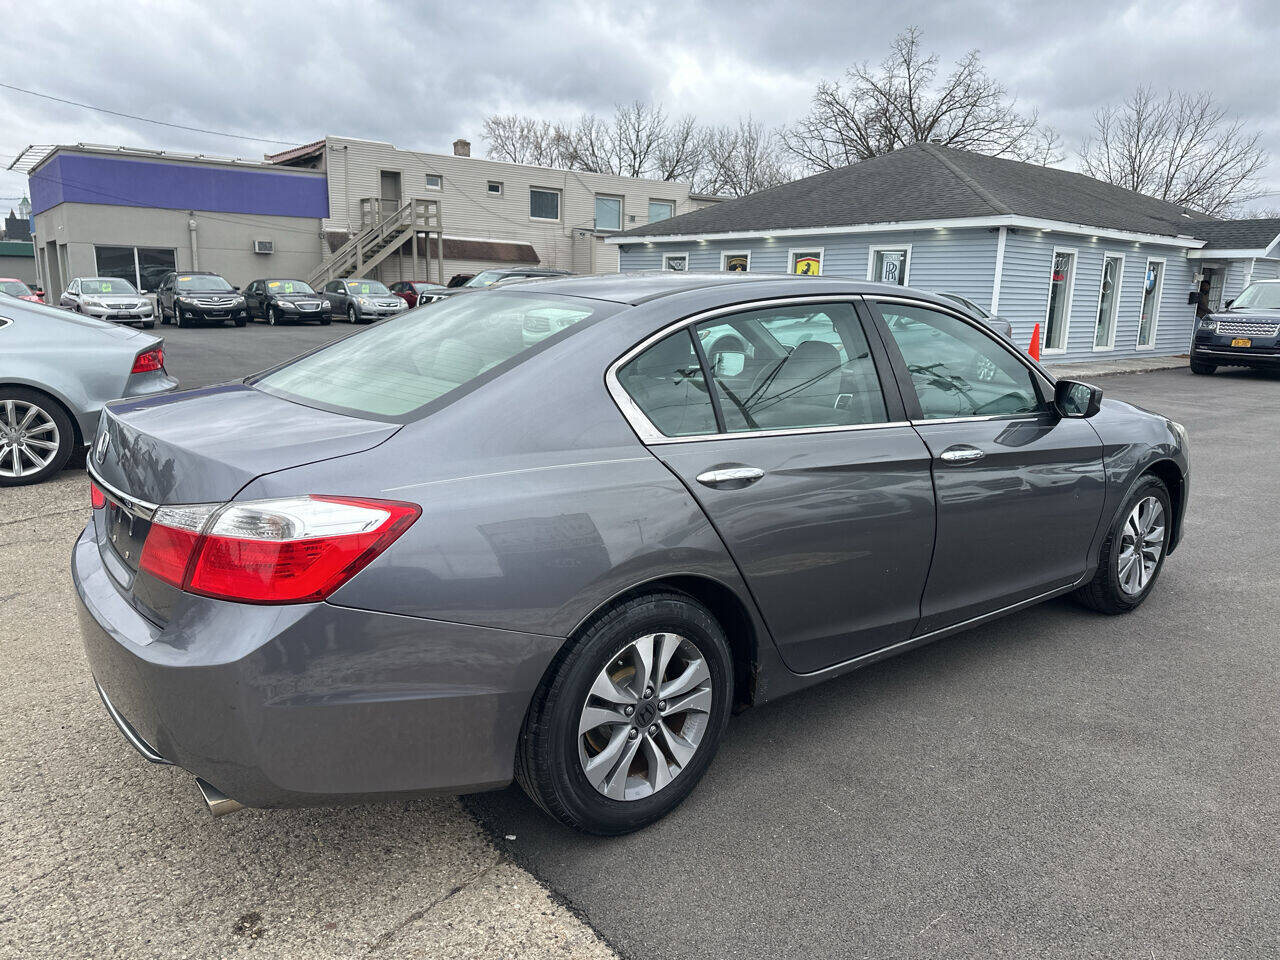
1056	784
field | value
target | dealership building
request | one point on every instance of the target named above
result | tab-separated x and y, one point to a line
333	208
1107	273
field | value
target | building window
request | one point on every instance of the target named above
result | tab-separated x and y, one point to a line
495	188
889	264
435	181
1104	335
608	212
678	262
807	262
544	204
739	262
1152	288
1058	317
661	210
144	267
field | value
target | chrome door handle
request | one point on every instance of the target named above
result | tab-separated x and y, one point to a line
961	454
738	475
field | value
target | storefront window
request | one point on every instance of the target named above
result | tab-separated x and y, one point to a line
1060	284
144	267
1151	290
1108	300
117	262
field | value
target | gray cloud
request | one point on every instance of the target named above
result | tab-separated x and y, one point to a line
420	75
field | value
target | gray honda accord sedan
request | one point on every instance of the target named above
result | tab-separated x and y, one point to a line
559	532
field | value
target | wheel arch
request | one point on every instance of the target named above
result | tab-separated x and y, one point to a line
1170	474
60	401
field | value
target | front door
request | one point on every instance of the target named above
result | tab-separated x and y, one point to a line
389	181
806	467
1019	489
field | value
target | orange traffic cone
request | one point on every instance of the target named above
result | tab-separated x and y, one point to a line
1034	348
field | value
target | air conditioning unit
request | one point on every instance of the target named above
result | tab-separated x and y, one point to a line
264	246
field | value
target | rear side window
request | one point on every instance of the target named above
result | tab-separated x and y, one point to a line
396	368
667	384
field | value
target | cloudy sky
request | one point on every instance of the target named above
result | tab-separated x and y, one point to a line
420	74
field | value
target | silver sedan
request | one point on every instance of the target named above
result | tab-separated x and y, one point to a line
57	370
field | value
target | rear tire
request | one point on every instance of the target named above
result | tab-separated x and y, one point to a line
1111	591
586	775
48	424
1203	369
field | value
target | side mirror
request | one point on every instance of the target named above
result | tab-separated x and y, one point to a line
1231	301
1072	398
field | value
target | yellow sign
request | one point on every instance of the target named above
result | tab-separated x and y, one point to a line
273	283
807	264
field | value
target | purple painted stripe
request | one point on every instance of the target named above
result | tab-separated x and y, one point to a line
74	178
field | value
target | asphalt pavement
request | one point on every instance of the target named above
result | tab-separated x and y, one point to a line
1058	784
199	356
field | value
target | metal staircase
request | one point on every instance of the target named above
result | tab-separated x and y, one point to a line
384	229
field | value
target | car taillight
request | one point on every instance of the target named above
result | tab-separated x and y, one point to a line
96	496
291	550
149	361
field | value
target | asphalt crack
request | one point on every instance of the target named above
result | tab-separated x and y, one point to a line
386	938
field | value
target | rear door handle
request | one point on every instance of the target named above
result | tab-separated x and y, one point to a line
737	476
961	453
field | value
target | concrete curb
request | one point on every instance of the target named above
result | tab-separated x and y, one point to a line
1107	368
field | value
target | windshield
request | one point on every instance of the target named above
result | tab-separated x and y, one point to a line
396	368
485	278
367	288
1259	296
94	288
288	286
15	288
200	284
424	287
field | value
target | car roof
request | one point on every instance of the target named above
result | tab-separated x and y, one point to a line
641	287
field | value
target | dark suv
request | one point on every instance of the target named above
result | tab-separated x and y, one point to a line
1246	334
187	299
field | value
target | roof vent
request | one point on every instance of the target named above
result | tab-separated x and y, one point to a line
461	148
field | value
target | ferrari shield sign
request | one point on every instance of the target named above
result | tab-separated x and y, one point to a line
809	264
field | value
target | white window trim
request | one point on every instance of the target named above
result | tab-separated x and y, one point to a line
1048	302
668	256
670	203
885	247
622	212
1115	321
726	254
1155	317
559	204
791	257
427	186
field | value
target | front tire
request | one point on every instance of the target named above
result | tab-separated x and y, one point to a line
351	316
628	716
36	436
1133	554
1203	369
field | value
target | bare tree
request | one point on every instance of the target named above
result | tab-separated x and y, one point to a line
742	159
1181	147
518	139
902	101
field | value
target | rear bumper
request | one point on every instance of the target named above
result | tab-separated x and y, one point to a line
308	704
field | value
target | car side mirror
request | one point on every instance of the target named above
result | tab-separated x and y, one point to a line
1231	301
1071	398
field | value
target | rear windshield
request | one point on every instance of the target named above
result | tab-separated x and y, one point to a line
395	369
1259	296
194	283
100	287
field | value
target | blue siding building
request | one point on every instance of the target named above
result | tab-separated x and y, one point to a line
1105	272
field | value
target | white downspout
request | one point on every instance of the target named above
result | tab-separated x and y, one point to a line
195	249
995	284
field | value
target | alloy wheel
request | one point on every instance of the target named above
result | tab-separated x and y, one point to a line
29	438
645	716
1141	545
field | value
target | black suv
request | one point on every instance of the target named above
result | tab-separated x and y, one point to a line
199	297
1246	334
285	301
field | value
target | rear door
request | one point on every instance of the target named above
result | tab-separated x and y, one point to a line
802	460
1019	489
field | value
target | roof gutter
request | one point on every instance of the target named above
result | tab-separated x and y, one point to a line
1219	253
1003	220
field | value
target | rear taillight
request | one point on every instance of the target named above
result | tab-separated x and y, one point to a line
96	496
149	361
293	550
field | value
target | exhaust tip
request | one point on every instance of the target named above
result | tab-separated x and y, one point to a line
219	803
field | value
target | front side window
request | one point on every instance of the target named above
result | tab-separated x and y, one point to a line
1104	336
786	368
661	210
544	204
608	213
396	368
890	265
679	262
1061	280
667	384
1151	290
956	369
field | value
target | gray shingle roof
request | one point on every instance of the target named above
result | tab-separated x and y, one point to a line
1239	234
926	181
